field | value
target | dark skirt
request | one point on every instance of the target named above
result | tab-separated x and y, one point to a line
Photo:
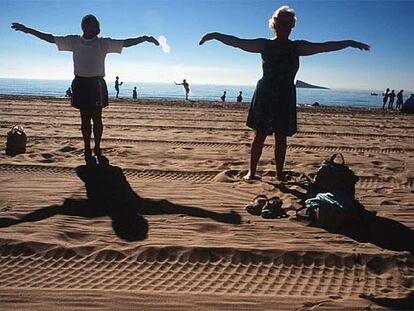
89	94
273	108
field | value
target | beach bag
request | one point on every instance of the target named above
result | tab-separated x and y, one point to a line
329	218
331	211
333	177
16	141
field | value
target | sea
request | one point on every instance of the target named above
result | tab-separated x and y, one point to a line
204	92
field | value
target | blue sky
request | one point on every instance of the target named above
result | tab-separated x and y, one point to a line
385	25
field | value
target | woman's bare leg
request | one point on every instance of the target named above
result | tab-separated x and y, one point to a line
97	130
86	131
280	155
255	153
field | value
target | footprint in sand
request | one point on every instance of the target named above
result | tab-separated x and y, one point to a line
47	158
68	149
380	266
5	207
228	176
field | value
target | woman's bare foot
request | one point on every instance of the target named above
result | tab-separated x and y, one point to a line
250	176
89	159
282	177
97	151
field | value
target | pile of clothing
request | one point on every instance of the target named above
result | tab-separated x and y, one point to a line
332	203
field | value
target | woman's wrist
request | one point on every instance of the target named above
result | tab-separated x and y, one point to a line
27	30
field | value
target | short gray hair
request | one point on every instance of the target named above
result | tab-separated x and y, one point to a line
283	10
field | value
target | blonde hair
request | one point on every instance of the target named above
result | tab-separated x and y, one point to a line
282	11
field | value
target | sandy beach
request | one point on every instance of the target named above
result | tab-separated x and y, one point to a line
172	233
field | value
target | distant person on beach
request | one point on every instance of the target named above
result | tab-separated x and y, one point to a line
117	85
240	97
89	90
134	93
273	106
391	101
68	92
186	88
223	97
400	100
385	96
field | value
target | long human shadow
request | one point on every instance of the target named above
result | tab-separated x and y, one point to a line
109	194
284	187
367	228
406	303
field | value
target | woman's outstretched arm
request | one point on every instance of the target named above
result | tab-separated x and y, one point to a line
248	45
41	35
310	48
138	40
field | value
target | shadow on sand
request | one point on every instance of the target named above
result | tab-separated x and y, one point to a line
110	194
368	228
406	303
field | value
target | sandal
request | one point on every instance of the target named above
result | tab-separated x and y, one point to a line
256	206
273	208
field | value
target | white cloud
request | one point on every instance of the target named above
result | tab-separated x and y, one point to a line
164	45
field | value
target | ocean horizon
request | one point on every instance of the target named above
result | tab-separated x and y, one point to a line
205	92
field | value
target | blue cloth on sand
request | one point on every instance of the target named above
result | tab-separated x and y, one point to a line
340	200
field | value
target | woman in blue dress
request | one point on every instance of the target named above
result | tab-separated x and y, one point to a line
273	106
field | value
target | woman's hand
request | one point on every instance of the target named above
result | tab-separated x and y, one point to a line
207	37
20	27
359	45
151	40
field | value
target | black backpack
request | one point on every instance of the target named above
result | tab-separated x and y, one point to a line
16	141
333	177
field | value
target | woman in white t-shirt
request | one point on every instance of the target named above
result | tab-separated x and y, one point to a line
89	90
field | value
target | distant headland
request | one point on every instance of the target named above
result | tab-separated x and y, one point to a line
305	85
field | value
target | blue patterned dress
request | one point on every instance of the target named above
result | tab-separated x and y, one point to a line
273	106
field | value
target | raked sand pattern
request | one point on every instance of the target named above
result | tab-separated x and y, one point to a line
193	246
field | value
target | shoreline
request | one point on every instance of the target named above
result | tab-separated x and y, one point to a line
199	103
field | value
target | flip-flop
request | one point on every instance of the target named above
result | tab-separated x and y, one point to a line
255	207
273	208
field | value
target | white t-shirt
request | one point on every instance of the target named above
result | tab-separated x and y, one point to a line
89	54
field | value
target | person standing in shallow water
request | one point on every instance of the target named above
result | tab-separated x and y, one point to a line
117	85
385	96
186	88
400	100
89	90
391	101
273	106
134	93
68	92
223	97
240	97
